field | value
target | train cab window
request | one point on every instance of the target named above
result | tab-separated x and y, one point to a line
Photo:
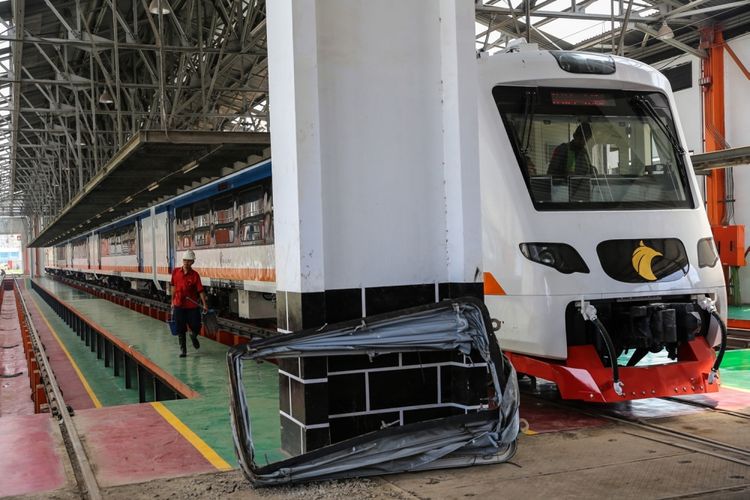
583	149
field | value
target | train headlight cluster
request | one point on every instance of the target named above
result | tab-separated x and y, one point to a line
560	256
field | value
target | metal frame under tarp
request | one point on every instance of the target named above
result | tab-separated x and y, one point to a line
487	436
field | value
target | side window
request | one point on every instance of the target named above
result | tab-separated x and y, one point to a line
184	228
223	219
251	216
128	243
251	231
251	203
201	223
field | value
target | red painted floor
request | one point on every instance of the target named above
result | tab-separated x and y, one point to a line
74	392
133	443
544	418
15	391
40	467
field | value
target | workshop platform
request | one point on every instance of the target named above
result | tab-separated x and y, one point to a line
129	433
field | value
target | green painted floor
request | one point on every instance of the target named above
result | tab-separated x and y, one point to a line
109	389
203	370
740	312
735	369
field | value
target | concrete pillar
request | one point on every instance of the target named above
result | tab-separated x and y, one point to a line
375	172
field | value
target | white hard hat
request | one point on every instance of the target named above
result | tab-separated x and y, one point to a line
189	255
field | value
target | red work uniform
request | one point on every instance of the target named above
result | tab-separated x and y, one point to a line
186	286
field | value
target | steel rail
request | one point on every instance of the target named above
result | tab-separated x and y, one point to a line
719	449
87	480
708	407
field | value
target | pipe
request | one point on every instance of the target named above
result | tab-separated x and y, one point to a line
709	306
589	314
722	348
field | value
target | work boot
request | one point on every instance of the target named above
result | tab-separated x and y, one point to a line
194	338
183	346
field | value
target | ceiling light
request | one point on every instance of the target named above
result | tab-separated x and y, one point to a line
190	166
665	32
153	7
105	98
153	186
128	199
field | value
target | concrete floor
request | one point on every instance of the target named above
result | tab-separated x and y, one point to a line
567	453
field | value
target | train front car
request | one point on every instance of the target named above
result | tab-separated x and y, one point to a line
598	255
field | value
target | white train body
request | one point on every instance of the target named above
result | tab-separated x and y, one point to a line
227	223
624	236
533	309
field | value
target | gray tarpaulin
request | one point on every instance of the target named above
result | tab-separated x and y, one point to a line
485	436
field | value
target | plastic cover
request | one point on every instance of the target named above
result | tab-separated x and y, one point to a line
483	437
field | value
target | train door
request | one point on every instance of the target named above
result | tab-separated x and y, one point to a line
170	238
138	244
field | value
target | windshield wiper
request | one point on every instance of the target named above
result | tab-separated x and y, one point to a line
527	121
645	105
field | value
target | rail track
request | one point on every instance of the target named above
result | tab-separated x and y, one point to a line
84	474
657	432
738	339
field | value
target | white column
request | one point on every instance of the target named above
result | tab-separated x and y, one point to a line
295	142
375	149
460	141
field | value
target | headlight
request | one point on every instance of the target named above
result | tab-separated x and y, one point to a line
561	256
707	253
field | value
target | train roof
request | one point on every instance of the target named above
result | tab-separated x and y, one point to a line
232	181
529	66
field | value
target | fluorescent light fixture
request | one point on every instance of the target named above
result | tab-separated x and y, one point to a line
665	32
153	7
153	186
128	199
190	166
112	209
105	98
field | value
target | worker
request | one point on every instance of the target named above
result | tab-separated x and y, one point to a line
186	288
572	158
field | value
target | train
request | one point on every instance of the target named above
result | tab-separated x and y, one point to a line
600	268
228	223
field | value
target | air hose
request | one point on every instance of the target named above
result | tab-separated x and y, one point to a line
589	314
709	306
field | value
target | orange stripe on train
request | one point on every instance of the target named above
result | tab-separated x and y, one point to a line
491	285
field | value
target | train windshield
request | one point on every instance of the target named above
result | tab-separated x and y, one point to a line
583	149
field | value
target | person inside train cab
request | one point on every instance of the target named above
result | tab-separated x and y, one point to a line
186	289
572	158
